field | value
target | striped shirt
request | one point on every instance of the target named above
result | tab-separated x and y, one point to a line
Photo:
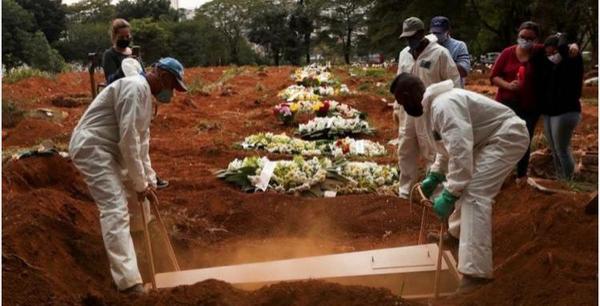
460	54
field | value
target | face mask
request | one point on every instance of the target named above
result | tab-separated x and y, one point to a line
123	43
413	111
441	37
555	58
164	96
525	44
413	43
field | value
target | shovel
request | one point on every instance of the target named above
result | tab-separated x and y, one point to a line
171	253
427	204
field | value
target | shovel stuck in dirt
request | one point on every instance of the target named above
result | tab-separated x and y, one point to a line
427	206
161	225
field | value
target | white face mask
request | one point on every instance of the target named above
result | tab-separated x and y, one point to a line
555	58
525	44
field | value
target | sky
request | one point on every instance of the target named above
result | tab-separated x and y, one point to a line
187	4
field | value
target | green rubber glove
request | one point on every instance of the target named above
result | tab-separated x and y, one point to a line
443	205
431	181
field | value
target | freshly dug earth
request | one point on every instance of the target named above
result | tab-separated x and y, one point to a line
545	247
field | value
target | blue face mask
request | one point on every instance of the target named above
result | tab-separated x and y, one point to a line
441	37
164	96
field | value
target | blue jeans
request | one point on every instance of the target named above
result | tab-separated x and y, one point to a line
558	130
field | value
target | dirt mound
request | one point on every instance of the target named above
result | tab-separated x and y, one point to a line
313	292
31	131
545	252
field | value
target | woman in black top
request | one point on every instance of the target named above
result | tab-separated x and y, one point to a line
561	79
120	35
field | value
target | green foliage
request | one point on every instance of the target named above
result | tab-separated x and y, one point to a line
209	48
17	28
229	17
91	11
11	114
82	38
22	44
49	16
24	72
152	37
347	18
153	9
39	54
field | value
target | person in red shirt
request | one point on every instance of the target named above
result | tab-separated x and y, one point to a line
513	74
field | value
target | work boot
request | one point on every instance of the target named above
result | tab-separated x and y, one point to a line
470	283
160	183
137	289
449	240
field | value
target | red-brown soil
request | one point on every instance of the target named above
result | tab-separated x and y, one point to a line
545	247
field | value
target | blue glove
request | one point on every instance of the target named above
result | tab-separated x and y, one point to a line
431	181
443	205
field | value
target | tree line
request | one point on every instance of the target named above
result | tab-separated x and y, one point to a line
46	33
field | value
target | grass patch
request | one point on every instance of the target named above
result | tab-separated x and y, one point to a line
539	142
369	72
16	74
198	86
11	114
590	101
205	126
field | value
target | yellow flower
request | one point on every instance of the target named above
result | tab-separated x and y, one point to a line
317	106
294	107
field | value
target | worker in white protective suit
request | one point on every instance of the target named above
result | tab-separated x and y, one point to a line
110	146
432	63
478	141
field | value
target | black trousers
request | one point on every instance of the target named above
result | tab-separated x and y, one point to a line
531	119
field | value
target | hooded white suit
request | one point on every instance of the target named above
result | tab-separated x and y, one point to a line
478	142
109	147
433	65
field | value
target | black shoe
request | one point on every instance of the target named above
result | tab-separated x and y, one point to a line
471	283
160	183
137	289
449	240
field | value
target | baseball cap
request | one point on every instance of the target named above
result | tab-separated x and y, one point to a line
173	66
410	26
439	24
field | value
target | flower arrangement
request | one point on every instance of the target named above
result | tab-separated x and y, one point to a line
281	143
299	174
328	108
363	177
288	176
285	112
301	93
333	127
313	75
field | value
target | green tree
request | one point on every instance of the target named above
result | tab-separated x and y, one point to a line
265	28
138	9
82	38
229	17
153	39
17	26
49	16
22	43
347	19
197	43
90	11
39	54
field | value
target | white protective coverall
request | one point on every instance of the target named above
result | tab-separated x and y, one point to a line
478	142
109	147
434	64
